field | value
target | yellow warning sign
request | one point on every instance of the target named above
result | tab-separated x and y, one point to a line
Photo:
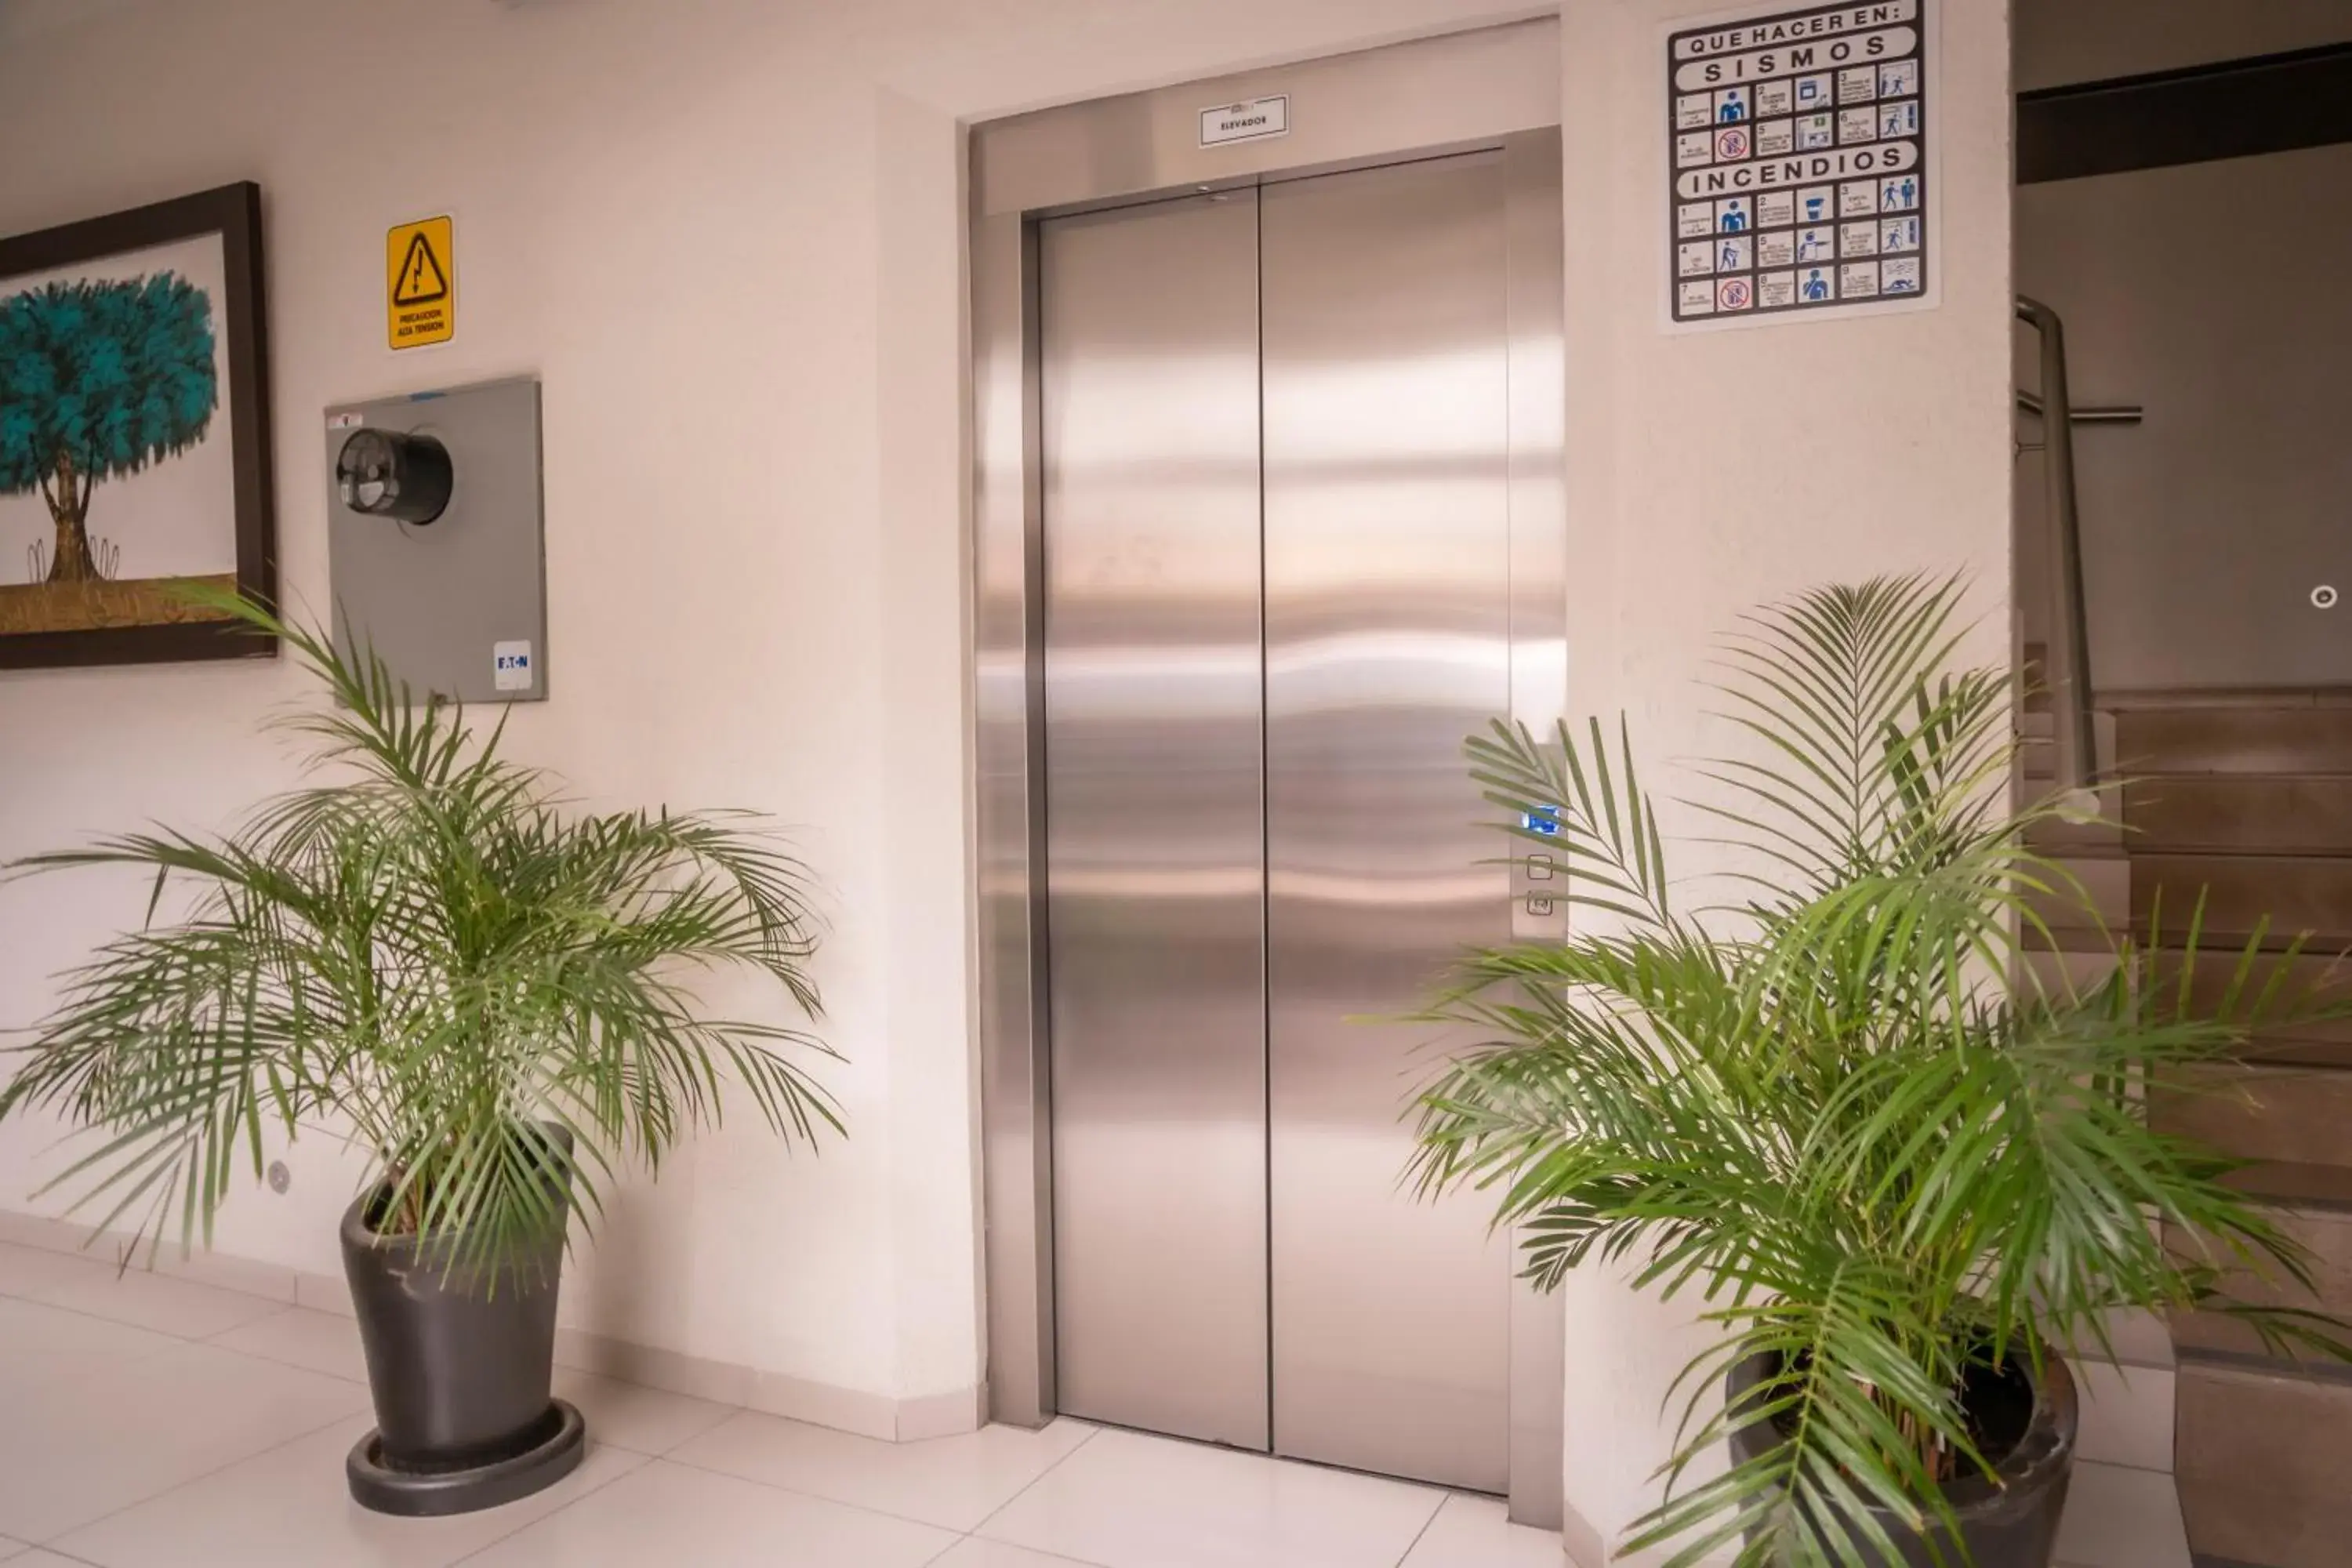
420	265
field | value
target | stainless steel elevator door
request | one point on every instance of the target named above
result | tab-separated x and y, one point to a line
1388	640
1155	835
1273	432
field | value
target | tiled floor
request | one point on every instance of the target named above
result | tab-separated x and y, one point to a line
151	1422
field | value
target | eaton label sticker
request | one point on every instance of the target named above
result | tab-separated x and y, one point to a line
510	665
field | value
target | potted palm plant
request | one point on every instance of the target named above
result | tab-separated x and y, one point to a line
1904	1179
426	953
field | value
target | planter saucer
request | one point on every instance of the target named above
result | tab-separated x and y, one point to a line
558	1444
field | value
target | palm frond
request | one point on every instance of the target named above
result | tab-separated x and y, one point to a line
493	995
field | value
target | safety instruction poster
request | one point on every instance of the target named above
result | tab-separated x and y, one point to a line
1800	163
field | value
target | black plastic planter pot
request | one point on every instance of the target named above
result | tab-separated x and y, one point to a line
2009	1523
460	1365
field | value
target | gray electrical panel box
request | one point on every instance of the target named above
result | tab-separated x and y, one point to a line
435	539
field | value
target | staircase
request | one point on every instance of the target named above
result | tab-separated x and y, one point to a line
2252	807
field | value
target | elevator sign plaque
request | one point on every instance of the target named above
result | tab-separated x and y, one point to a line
1800	163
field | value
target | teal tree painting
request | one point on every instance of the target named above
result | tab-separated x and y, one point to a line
98	381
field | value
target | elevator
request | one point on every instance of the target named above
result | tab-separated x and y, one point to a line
1267	523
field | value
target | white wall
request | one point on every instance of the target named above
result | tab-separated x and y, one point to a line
1711	471
726	234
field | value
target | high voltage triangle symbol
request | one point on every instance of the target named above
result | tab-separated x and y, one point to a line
421	280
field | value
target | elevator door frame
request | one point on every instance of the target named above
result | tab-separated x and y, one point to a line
1495	88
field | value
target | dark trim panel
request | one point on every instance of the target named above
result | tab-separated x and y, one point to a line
232	211
2238	110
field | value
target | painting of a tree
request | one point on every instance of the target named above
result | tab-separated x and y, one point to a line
98	380
135	435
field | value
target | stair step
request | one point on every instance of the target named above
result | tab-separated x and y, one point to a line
2103	889
2060	840
2304	983
2283	1116
2295	893
2328	1235
2065	972
2278	813
2261	1459
2283	739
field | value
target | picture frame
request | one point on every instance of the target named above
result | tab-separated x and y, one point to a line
135	425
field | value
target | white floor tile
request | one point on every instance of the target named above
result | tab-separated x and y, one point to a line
665	1513
2126	1415
74	1452
296	1336
976	1552
26	1271
954	1482
289	1508
2119	1518
42	1344
39	1559
631	1415
1130	1501
11	1549
163	1302
1477	1532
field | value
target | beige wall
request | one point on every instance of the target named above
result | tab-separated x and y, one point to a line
2061	41
2205	528
728	241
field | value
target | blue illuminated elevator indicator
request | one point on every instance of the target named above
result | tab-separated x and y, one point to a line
1543	819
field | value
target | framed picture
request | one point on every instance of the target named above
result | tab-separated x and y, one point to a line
134	433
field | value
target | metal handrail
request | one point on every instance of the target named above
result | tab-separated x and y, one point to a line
2069	650
2097	413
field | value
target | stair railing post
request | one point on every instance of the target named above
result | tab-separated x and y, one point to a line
2069	650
